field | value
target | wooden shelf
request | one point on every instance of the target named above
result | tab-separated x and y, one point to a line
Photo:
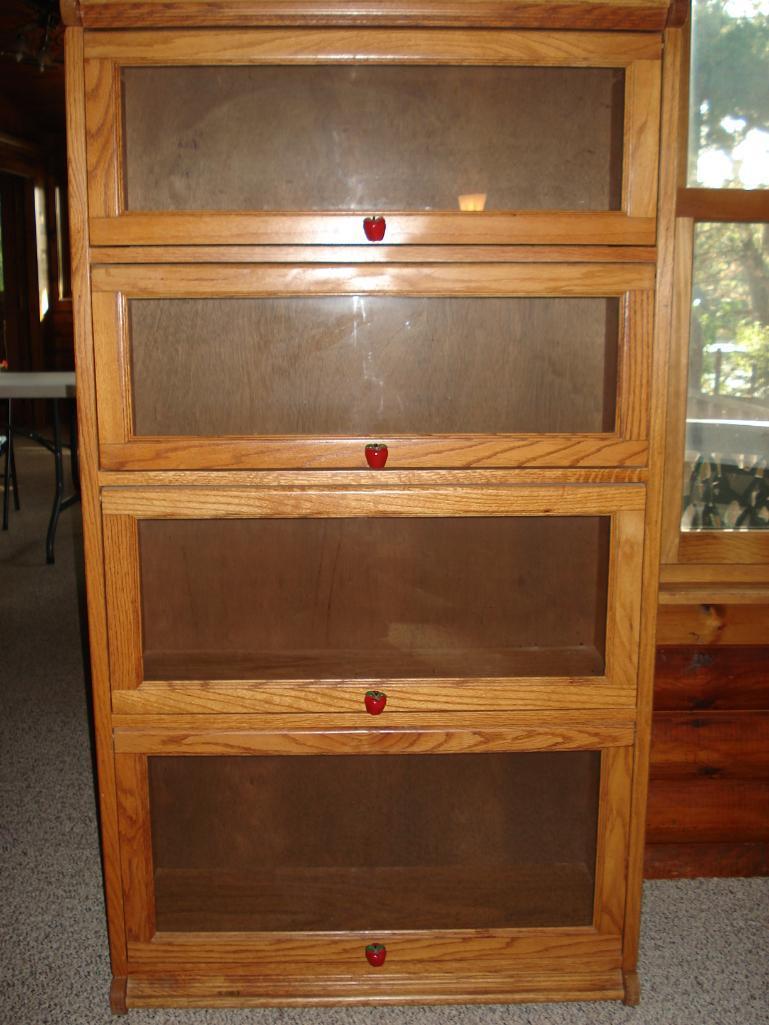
349	898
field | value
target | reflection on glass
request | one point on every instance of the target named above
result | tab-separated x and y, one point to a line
726	485
472	201
372	138
729	94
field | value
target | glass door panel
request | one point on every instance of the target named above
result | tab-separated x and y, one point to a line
372	138
393	598
481	841
372	364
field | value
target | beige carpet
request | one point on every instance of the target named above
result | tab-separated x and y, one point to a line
705	948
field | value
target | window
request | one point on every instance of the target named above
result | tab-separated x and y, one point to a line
725	478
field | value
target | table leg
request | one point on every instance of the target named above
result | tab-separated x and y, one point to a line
73	454
10	480
58	463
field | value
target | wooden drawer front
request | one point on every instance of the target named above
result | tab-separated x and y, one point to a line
295	137
275	366
306	599
290	864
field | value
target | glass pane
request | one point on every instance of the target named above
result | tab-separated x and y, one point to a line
729	94
373	138
727	417
374	842
373	598
352	365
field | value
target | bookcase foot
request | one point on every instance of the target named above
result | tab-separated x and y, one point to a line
632	996
117	995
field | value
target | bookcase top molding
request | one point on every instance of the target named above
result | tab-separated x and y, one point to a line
628	15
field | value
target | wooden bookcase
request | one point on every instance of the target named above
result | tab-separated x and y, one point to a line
252	581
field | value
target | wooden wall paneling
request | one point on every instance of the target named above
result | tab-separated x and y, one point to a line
708	810
712	624
711	678
692	860
92	532
722	745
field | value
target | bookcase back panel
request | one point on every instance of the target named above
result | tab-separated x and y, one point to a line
370	138
374	598
263	843
368	365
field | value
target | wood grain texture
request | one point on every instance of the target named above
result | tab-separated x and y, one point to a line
722	593
708	810
123	596
101	135
715	745
723	204
153	990
642	135
92	530
584	14
396	46
328	229
179	697
652	544
381	253
113	391
710	678
624	599
613	723
726	547
225	503
713	624
323	453
507	732
277	956
370	478
497	279
613	839
135	847
719	574
693	860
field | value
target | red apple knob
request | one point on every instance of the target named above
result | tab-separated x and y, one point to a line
374	228
376	456
375	701
376	954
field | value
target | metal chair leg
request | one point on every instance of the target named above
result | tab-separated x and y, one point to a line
58	463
